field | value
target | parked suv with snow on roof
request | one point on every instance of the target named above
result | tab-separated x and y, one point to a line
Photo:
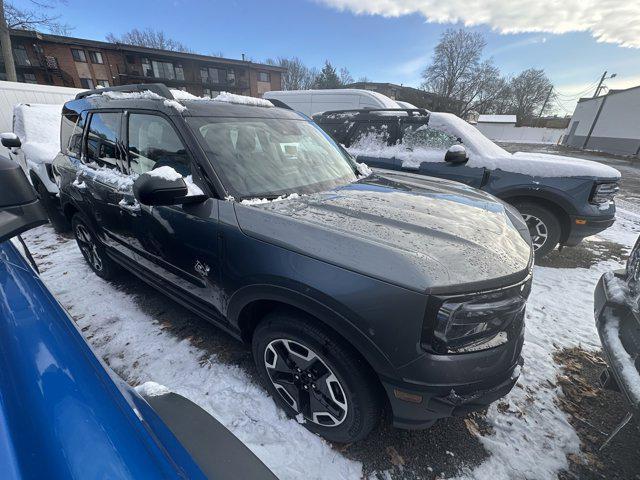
357	292
616	306
33	144
562	199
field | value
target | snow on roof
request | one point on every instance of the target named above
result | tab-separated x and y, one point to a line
497	119
242	100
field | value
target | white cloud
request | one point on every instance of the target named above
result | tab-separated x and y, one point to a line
611	21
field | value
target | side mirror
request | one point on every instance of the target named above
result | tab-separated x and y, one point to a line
20	209
155	188
456	154
10	140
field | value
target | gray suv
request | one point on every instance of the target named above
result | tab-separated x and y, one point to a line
356	292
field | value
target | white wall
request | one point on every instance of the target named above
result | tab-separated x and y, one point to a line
12	93
508	132
620	116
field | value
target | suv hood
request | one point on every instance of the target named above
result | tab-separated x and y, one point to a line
412	231
547	165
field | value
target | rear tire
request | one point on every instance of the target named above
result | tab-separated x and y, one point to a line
544	227
58	221
316	377
92	250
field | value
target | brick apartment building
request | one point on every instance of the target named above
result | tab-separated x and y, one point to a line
76	62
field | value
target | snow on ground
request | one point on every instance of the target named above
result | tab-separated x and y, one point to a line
531	437
136	347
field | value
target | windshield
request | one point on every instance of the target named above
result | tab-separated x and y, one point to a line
268	157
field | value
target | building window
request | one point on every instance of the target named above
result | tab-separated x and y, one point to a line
86	83
207	92
27	78
179	72
213	75
103	83
78	55
264	77
21	57
163	70
231	77
147	70
96	57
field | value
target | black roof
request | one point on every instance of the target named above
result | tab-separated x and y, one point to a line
341	115
163	100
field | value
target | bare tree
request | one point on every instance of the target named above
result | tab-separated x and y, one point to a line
345	76
12	17
149	38
43	18
454	67
297	75
531	94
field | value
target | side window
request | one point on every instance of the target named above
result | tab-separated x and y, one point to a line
372	135
102	139
154	143
417	136
71	128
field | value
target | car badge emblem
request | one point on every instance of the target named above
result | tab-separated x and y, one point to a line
202	268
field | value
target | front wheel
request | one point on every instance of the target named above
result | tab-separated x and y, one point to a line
316	378
544	227
92	251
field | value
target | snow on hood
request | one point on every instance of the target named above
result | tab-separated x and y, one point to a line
483	153
38	127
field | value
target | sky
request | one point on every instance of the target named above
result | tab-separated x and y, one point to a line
574	41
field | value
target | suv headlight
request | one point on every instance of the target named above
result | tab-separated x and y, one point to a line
478	322
604	192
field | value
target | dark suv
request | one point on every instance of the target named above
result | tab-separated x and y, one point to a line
357	292
562	199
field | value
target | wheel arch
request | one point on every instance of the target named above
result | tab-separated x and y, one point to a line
250	305
556	204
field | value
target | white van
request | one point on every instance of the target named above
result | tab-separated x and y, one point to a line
311	102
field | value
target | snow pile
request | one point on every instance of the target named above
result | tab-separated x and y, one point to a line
363	169
141	349
152	389
109	175
617	288
166	173
38	127
145	94
627	370
242	100
258	201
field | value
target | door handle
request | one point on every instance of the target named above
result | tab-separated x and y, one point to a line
133	208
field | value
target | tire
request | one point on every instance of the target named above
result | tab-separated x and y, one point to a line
92	250
58	221
544	227
298	359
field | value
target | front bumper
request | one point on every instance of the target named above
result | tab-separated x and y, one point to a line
592	225
619	331
453	385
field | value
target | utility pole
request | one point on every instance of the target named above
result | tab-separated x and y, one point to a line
7	51
546	100
600	84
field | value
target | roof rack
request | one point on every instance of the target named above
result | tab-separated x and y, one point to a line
157	88
410	111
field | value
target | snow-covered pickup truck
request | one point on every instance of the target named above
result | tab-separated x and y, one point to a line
616	302
562	199
33	144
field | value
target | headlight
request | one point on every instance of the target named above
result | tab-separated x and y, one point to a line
478	322
604	192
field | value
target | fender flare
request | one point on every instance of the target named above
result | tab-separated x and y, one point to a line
550	195
301	300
